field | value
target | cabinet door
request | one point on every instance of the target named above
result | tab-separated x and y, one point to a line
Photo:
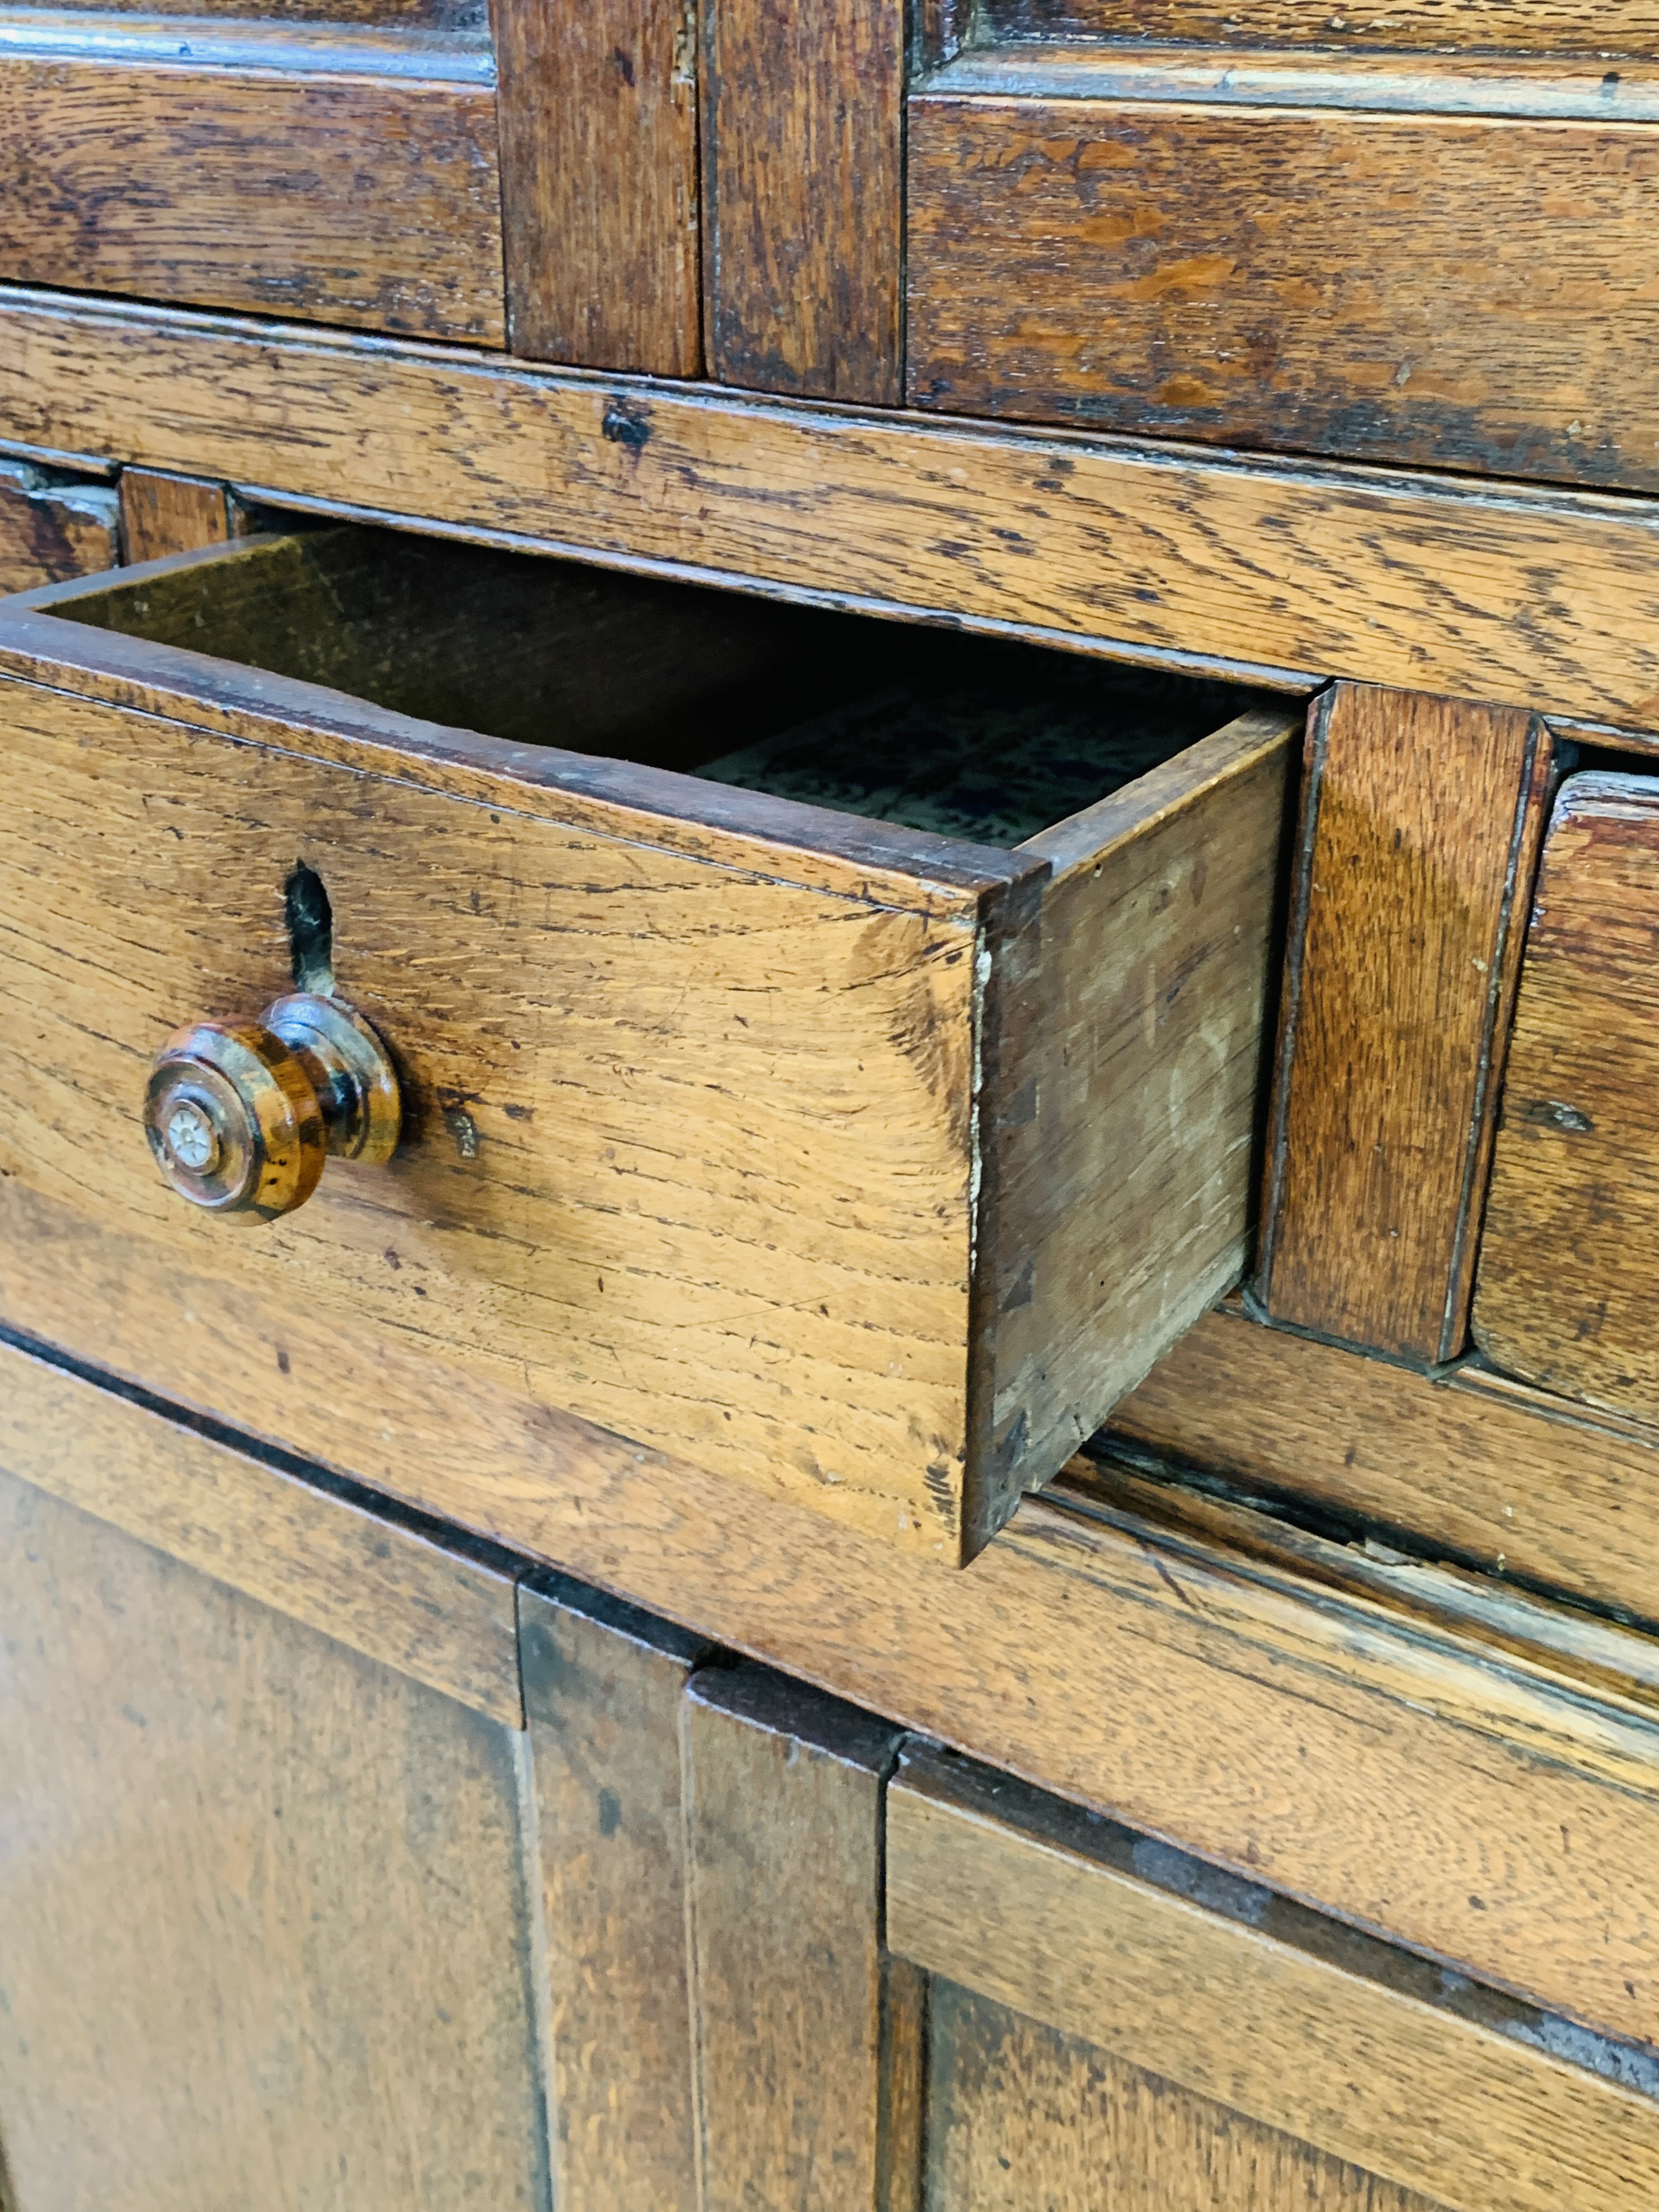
1111	2022
1421	236
265	1913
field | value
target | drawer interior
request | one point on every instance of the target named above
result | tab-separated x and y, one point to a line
966	738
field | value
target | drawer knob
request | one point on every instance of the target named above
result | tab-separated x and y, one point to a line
242	1115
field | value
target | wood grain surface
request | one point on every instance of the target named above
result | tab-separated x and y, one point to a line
52	527
1572	1230
803	190
1542	600
1017	2108
1385	287
599	124
264	1912
1597	29
784	1820
163	514
441	1613
603	1686
1127	1044
1420	825
925	1014
307	174
1050	1914
1331	1749
1507	1478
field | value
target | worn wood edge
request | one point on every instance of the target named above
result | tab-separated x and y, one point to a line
1095	833
998	1895
782	841
545	1596
758	1697
1493	86
444	1615
1535	1631
246	46
1435	521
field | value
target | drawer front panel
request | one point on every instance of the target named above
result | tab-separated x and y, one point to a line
1466	291
688	1145
347	175
1571	1250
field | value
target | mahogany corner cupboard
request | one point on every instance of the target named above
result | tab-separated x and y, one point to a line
829	886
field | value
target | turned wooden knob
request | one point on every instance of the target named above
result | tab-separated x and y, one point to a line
241	1115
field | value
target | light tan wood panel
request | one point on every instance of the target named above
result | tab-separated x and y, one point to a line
803	128
335	173
1545	600
1492	1472
1021	2116
1566	1266
1420	825
1337	1750
808	2050
603	1686
441	1610
600	183
162	514
52	527
1046	1912
1468	292
264	1919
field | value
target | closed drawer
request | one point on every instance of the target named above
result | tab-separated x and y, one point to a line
1571	1247
861	1162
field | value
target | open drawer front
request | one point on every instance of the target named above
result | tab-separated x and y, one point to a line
859	1161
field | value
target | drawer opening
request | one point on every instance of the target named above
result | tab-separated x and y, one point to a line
970	739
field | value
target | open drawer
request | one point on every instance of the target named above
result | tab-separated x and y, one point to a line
829	1050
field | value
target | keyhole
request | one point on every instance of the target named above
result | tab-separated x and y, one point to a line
310	931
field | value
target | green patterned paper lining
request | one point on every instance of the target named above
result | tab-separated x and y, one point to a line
991	766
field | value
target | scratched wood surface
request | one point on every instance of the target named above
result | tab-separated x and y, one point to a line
1541	599
757	1341
603	1687
52	527
1613	29
1015	2107
264	1922
308	174
1573	1214
1383	288
441	1610
163	514
1489	1471
1420	825
799	2027
803	187
598	118
1239	2003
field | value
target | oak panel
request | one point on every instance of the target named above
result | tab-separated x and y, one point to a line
162	514
784	1821
1564	1298
1597	29
1508	1478
803	195
263	1916
260	193
1420	825
52	527
1020	2115
1363	1761
1469	293
441	1613
1253	2006
603	1686
1542	600
600	183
